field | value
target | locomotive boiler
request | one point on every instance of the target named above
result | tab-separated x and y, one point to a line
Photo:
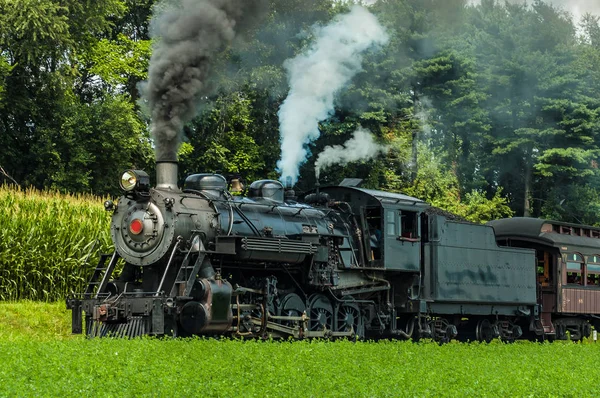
339	261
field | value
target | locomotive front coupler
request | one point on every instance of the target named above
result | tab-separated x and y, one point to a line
109	313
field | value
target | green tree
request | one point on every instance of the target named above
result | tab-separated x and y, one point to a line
4	72
525	57
98	141
438	184
67	70
222	140
450	84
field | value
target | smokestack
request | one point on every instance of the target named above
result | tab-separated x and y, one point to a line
166	175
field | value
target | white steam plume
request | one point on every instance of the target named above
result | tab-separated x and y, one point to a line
316	76
361	146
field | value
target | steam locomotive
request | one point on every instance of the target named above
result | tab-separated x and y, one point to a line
340	261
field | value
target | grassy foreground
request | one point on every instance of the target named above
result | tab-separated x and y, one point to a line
31	320
51	363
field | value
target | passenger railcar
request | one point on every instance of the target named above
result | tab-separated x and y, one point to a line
567	271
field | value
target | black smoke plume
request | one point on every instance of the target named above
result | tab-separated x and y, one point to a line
189	34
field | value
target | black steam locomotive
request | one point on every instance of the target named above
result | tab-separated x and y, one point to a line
340	261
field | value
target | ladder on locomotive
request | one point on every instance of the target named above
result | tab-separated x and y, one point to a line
186	276
96	285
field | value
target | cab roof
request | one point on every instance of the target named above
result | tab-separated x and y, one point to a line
372	197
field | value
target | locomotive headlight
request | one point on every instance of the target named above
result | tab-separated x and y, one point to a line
128	180
136	180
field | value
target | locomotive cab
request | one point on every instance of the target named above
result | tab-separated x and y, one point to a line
391	223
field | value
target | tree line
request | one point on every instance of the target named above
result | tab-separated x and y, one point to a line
488	110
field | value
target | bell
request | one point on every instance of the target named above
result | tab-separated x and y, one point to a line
236	185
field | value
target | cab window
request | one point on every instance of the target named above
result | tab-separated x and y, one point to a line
409	227
390	223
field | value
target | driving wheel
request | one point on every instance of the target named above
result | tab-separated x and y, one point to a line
320	312
349	318
291	305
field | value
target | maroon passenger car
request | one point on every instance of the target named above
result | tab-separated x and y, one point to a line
568	271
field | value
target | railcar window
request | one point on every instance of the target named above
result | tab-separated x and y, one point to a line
593	271
574	267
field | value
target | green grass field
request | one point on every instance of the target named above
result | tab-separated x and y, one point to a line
39	357
30	320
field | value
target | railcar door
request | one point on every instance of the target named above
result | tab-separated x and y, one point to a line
547	265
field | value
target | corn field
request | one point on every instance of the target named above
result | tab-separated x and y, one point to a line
45	240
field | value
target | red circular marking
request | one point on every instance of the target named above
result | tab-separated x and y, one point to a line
136	226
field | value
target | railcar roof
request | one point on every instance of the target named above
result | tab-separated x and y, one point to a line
566	236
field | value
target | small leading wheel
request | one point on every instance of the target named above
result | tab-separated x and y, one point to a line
320	313
484	331
349	317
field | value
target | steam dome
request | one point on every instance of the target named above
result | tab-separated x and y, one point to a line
266	189
211	184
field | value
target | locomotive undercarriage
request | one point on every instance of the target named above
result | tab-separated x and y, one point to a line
289	315
283	313
253	316
281	302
